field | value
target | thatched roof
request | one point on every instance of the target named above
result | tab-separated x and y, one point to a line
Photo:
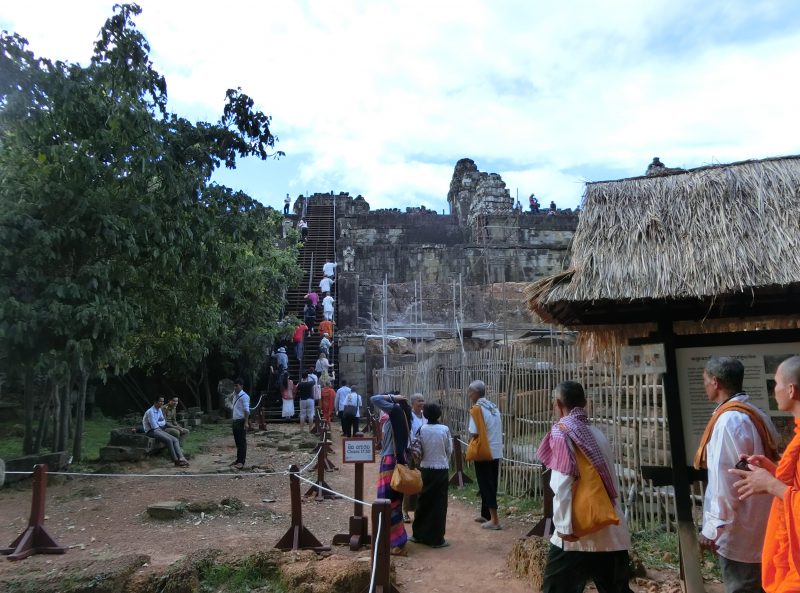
698	239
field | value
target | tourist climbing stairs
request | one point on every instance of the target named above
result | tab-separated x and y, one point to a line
318	248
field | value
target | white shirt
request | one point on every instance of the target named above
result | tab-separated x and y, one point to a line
607	539
328	268
241	405
494	427
437	446
416	424
351	399
737	526
327	303
153	419
341	395
325	285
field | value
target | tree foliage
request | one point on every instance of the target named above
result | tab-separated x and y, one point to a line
116	250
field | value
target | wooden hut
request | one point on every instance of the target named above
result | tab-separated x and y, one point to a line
693	263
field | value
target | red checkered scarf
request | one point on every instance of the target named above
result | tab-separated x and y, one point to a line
555	452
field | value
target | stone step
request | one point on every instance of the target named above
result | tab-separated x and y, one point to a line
117	453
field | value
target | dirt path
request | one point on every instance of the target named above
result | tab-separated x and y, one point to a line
101	518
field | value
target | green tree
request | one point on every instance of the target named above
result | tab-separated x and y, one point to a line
115	249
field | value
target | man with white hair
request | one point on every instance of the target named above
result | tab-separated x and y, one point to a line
417	420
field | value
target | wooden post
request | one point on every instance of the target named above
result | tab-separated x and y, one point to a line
688	548
381	513
459	478
544	528
358	535
298	537
35	539
320	467
315	426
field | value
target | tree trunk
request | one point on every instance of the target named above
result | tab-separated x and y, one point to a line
65	415
207	387
57	405
27	441
44	417
80	414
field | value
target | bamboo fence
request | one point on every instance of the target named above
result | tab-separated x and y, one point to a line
629	409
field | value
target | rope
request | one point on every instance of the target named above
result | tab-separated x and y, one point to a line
375	555
313	459
334	492
517	461
220	475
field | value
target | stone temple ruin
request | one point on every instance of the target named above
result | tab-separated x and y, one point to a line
448	278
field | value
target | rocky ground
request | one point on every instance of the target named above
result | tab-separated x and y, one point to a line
104	521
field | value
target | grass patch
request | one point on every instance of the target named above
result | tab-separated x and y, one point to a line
240	579
95	436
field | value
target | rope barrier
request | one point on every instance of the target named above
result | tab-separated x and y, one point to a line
517	461
334	492
375	557
313	459
204	475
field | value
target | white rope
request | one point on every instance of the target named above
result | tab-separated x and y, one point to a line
375	555
313	459
215	475
539	465
334	492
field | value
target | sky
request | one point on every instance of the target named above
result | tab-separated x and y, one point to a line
382	98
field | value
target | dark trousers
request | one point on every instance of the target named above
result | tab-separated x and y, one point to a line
349	425
240	438
568	572
487	473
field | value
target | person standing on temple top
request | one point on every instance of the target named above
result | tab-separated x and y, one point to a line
309	316
286	204
303	226
552	207
298	339
329	269
327	307
485	422
600	552
313	297
533	203
780	556
325	285
518	206
733	528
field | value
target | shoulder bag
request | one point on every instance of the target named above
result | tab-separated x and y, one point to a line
478	448
592	508
404	478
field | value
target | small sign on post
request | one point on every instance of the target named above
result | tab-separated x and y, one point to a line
358	450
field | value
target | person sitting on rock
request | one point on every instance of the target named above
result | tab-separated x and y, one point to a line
171	415
154	423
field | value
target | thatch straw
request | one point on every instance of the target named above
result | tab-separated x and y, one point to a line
528	558
704	232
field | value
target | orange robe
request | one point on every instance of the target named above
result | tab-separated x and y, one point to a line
780	558
327	397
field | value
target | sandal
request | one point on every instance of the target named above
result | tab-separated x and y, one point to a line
398	552
182	463
238	466
443	544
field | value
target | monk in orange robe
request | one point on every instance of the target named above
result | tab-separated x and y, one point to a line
780	556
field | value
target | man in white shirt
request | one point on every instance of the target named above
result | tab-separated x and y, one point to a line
351	412
329	269
733	528
325	285
327	307
487	472
603	554
338	401
154	424
241	414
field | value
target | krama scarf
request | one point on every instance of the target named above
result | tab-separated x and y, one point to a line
555	452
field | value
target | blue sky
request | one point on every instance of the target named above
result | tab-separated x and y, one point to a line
382	98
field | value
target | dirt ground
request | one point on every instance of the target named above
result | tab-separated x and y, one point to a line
103	518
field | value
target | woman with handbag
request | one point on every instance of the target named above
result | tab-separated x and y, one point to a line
436	447
394	453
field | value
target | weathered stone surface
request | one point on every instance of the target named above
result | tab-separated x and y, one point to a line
118	453
125	438
208	506
166	510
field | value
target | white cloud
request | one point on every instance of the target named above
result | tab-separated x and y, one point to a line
383	98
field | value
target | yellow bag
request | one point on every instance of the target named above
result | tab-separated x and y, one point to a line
406	480
592	509
478	448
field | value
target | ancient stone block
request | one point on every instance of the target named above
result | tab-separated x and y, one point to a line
118	453
167	510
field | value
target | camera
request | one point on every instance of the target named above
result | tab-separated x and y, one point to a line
742	464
